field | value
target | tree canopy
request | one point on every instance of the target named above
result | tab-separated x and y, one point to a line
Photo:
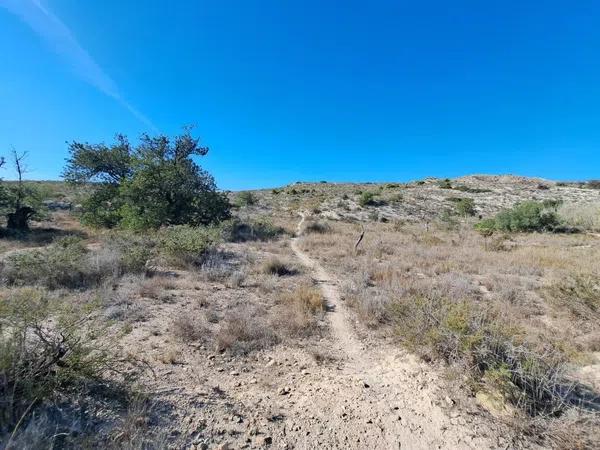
153	184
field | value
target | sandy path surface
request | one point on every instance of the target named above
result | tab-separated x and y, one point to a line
383	397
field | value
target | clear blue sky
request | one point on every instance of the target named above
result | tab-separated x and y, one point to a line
311	90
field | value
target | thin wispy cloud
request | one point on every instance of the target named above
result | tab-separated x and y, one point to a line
60	38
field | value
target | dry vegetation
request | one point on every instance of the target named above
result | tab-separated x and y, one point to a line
194	337
519	314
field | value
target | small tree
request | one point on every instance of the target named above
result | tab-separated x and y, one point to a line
19	201
156	183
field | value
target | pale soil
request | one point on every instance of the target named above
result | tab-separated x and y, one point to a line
334	391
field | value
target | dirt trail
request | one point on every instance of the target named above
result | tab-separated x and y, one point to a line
385	397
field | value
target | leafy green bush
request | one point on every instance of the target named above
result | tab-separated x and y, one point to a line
526	216
185	245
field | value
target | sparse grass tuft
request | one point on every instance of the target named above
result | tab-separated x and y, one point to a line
300	311
244	330
274	266
316	227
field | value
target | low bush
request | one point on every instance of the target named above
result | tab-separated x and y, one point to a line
190	328
245	198
62	264
48	355
523	217
67	263
461	332
472	190
261	229
316	228
134	251
367	198
274	266
580	294
243	331
463	206
445	184
185	246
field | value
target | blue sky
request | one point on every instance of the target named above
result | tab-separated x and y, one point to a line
283	91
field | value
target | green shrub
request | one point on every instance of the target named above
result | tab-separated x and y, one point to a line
463	206
184	245
472	190
134	251
154	184
366	198
526	216
245	198
445	184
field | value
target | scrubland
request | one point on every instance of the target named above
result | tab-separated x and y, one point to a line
221	337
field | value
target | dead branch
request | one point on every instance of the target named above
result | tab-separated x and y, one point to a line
360	238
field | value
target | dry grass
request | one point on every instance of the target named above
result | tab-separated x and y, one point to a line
244	330
189	327
299	311
494	308
156	286
275	266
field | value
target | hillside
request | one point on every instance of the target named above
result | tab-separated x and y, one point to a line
321	315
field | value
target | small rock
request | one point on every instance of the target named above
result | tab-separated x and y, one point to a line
271	363
305	372
284	391
234	373
263	441
224	446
